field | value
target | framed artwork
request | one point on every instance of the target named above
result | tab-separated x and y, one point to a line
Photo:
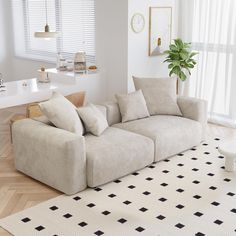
160	27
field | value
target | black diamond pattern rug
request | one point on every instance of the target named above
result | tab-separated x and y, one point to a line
189	194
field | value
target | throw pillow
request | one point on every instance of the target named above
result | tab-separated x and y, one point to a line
160	95
94	120
33	110
62	113
132	106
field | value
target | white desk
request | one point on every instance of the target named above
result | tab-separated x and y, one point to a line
63	82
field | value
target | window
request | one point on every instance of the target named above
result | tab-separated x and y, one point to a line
211	29
213	36
74	19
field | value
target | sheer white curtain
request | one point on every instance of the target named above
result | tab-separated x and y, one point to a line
211	27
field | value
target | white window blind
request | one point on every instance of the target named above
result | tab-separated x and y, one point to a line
78	27
74	19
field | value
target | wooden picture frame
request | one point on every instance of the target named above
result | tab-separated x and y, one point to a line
160	30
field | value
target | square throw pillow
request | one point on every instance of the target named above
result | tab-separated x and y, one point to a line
93	118
62	113
33	110
160	95
132	106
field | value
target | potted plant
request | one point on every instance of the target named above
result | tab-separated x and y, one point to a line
181	59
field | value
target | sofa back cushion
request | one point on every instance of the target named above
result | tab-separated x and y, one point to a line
160	95
113	112
33	109
132	106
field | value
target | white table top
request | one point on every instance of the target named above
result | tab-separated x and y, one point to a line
65	83
228	148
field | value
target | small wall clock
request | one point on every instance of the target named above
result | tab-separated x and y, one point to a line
137	23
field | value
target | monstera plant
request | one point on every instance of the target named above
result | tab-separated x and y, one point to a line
181	59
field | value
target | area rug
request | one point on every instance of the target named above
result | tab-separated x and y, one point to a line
188	194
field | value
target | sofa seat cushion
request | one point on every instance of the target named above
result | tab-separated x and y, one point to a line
171	134
116	153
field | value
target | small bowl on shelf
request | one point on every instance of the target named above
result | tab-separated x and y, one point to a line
92	68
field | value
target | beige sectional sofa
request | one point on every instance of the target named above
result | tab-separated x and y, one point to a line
70	163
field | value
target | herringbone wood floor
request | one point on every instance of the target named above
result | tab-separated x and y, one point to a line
18	191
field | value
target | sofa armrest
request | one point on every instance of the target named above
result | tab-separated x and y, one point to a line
53	156
195	109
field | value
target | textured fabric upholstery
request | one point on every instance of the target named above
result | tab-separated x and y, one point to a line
102	109
171	134
94	120
53	156
160	95
116	153
68	162
33	110
195	109
132	106
113	112
43	119
62	113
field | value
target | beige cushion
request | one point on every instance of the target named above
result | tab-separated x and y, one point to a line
116	153
43	119
160	95
132	106
171	134
62	113
94	120
102	109
113	112
53	156
33	110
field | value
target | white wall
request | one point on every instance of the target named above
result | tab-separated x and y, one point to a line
112	46
140	64
112	43
120	52
5	46
11	67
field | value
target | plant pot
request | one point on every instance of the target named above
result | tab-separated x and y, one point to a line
183	88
